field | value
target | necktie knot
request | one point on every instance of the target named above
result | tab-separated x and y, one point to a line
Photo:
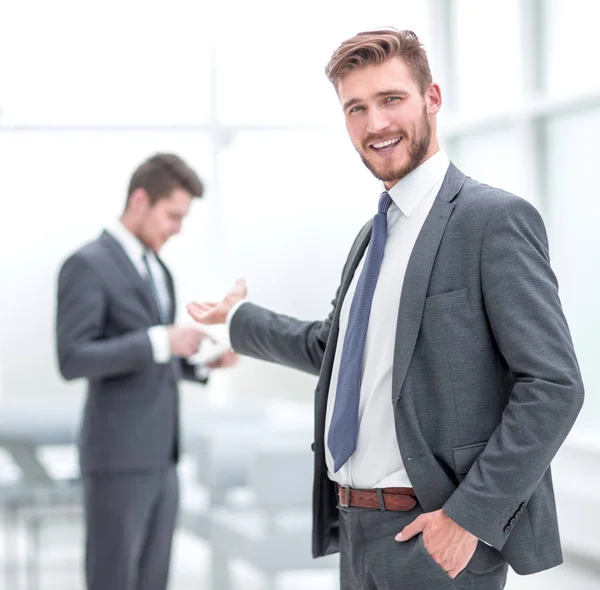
384	202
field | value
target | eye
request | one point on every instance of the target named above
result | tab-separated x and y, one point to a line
391	98
356	109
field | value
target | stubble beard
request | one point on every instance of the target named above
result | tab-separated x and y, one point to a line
416	151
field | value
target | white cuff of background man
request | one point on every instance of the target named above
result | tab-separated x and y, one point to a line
159	340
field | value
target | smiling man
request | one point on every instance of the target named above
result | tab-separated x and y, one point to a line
394	136
447	375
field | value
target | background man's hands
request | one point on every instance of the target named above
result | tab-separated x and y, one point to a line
226	360
184	341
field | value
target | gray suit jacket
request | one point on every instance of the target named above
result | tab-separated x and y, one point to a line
131	416
486	384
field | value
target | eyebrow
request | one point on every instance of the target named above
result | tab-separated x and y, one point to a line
382	94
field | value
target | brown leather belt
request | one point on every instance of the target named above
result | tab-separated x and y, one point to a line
402	499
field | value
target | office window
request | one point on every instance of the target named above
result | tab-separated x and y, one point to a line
486	44
269	80
572	45
575	239
138	64
497	158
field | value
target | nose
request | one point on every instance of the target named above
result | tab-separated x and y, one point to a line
377	121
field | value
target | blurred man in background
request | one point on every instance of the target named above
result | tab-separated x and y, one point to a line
447	375
116	308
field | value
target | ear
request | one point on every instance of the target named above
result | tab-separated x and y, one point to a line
139	199
433	99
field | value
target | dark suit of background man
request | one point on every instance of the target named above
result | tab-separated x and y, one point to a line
447	376
116	307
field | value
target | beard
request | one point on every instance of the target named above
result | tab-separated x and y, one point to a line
416	151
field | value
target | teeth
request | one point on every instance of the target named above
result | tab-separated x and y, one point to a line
383	144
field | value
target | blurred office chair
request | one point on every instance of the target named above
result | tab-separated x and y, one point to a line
35	496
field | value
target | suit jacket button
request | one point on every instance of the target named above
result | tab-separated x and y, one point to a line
312	447
512	522
507	529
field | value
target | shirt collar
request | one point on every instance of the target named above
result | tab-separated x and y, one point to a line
130	243
408	192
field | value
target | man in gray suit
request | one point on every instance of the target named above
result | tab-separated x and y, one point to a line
447	375
116	308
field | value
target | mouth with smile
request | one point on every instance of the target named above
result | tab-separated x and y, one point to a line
387	146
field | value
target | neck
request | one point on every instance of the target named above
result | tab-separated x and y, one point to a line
434	148
128	223
133	227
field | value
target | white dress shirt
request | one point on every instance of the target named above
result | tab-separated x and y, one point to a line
159	338
377	463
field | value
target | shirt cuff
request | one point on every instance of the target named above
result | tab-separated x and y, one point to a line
159	339
231	314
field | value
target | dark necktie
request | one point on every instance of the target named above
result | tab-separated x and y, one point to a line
164	319
162	312
343	430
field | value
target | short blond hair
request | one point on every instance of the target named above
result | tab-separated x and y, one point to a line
375	47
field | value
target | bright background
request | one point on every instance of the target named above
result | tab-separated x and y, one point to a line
87	91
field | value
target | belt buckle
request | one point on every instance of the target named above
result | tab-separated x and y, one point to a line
346	502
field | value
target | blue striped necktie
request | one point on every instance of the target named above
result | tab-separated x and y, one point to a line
343	430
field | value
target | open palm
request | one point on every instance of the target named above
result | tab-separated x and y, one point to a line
215	312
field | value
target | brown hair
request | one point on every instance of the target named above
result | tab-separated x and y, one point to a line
375	47
160	174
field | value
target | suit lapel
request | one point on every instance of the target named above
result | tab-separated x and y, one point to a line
128	270
418	272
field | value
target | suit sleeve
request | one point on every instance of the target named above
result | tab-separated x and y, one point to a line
82	348
277	338
520	294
